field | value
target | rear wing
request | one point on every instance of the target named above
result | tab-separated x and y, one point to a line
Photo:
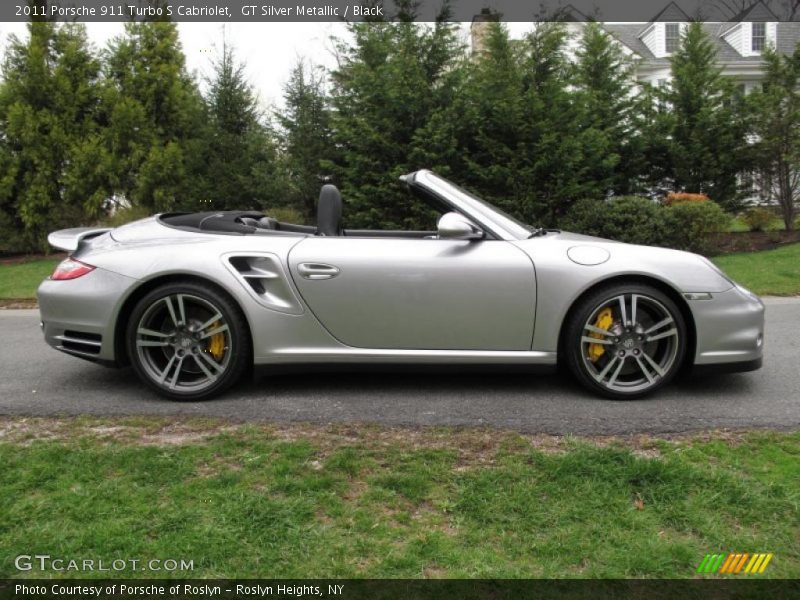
70	239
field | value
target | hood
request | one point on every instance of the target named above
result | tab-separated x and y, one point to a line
688	272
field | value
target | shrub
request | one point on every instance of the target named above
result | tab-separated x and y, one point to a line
683	225
629	219
758	218
691	225
679	197
287	214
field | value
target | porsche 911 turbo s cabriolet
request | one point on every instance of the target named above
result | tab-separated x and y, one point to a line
193	301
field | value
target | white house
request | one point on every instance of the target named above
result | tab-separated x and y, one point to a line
739	42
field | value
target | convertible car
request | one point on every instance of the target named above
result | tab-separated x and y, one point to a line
194	301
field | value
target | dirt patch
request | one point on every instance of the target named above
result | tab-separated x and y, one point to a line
17	303
27	430
472	447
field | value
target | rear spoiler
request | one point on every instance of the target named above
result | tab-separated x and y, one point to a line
70	239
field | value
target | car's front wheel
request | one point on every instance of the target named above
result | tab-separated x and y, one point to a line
188	341
624	341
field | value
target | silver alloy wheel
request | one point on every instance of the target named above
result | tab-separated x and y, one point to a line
639	347
174	341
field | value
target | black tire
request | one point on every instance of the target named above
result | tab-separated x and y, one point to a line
640	356
170	352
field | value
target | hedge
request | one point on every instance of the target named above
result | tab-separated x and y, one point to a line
684	225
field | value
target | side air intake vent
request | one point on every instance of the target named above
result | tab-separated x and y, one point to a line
265	279
79	341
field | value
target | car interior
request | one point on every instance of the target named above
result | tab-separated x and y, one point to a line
329	221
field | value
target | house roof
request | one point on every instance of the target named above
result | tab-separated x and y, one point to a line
755	12
788	36
672	13
758	12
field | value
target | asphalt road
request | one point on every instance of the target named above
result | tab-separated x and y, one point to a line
37	380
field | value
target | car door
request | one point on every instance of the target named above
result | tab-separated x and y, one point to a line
418	293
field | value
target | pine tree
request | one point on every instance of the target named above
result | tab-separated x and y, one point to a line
155	116
493	115
707	141
240	154
51	172
555	149
776	125
307	136
603	77
391	80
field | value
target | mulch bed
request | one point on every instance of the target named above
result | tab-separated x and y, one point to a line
750	241
18	259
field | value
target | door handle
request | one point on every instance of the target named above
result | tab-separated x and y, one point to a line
317	271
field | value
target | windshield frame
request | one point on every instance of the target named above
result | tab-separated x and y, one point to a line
500	223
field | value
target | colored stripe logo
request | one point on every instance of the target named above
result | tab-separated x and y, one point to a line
735	563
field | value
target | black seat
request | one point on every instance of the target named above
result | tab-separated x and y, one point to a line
329	211
268	223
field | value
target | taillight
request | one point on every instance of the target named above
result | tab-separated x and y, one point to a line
70	268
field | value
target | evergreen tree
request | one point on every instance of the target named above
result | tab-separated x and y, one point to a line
603	77
391	80
155	119
707	142
307	136
557	174
652	123
776	125
492	115
50	167
240	153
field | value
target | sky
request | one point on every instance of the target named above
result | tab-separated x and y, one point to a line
269	50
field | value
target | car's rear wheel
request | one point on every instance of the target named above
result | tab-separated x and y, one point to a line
624	341
188	341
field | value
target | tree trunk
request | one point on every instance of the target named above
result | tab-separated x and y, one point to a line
786	196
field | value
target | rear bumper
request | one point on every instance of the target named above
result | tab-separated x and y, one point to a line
730	329
78	315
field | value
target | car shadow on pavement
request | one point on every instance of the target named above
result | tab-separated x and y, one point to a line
349	386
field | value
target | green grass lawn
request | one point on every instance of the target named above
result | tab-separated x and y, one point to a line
19	281
775	272
369	501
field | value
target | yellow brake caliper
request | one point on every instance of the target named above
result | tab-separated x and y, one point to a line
216	343
604	320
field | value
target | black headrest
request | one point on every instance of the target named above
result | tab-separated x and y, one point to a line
329	210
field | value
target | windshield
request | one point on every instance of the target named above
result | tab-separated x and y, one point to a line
491	213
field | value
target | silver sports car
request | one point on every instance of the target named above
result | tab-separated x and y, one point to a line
193	301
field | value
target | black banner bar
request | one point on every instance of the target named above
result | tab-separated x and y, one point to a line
360	10
375	589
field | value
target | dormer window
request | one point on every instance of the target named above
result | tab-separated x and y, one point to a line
672	37
759	36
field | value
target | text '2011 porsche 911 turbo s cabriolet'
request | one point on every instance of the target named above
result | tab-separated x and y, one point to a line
193	301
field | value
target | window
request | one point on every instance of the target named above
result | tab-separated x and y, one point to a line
672	33
759	36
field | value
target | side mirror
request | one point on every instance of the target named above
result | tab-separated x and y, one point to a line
454	226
